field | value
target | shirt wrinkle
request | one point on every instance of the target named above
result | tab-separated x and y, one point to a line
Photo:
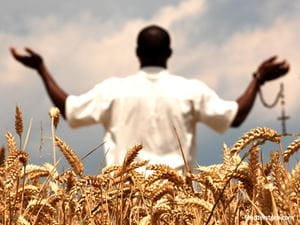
145	107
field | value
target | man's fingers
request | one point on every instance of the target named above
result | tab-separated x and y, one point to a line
273	58
17	55
30	51
282	69
14	52
284	66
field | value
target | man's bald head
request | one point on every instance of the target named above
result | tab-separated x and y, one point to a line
153	46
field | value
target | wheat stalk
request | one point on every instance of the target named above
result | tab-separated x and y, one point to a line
70	155
254	134
291	149
54	115
19	123
129	157
2	156
11	143
224	193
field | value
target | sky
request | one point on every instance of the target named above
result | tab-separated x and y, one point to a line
221	42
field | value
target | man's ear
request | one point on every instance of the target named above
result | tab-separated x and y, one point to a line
170	52
137	52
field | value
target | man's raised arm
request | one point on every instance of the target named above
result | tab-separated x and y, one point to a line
35	61
267	71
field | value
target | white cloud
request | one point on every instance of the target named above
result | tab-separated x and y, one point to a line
233	61
79	55
168	15
73	50
76	54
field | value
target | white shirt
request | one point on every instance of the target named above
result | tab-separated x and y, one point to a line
144	109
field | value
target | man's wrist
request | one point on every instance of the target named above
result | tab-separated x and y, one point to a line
258	78
41	67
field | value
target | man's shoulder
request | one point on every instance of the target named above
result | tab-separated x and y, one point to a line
115	82
183	80
111	81
167	77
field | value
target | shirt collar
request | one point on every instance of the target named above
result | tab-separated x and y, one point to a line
153	72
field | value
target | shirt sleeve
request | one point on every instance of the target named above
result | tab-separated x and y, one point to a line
213	111
88	108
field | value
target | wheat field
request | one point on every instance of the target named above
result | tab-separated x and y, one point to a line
240	190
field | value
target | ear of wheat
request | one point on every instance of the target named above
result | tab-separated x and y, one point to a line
71	156
262	133
291	149
54	115
226	193
2	156
11	143
19	121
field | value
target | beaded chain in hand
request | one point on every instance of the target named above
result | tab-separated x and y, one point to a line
276	100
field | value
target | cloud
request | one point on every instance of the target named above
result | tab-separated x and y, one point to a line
74	50
169	15
78	54
84	52
233	62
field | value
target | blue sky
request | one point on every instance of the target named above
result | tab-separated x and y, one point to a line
83	42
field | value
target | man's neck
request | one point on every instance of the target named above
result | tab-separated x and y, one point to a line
154	64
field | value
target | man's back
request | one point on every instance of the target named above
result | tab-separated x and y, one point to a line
145	108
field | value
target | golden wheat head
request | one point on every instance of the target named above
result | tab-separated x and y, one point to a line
254	134
70	155
291	149
19	121
54	115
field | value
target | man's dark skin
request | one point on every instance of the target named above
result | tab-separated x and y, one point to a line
154	50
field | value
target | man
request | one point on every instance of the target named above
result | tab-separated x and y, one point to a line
145	107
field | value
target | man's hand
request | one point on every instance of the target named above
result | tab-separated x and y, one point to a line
31	60
35	61
270	70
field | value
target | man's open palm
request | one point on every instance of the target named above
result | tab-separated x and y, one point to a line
271	69
32	59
